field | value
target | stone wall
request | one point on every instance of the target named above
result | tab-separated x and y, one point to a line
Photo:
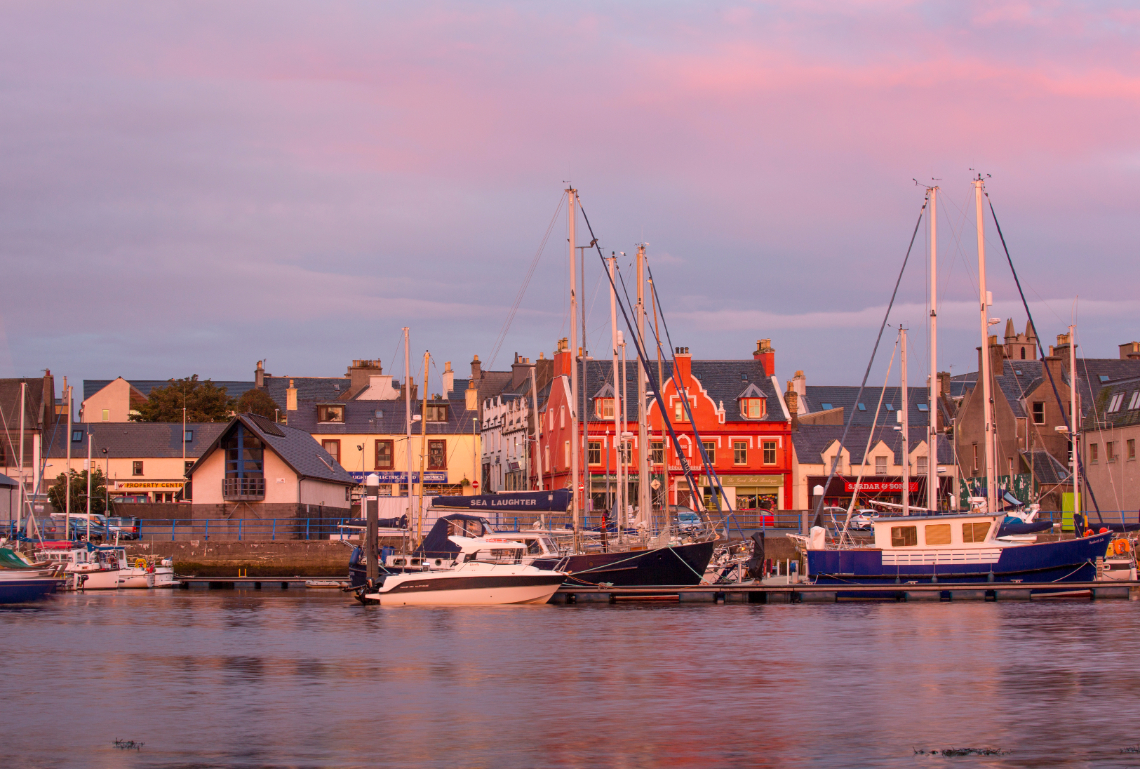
199	558
233	522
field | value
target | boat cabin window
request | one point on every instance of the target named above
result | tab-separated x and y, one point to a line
975	532
938	534
534	546
904	536
461	528
504	555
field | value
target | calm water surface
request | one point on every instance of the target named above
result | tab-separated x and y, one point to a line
295	678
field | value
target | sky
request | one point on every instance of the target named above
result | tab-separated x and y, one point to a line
188	188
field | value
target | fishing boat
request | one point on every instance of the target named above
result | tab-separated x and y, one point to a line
485	572
949	548
105	567
22	581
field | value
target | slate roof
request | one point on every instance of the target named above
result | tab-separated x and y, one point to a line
322	389
129	440
7	483
810	441
1100	418
33	403
723	380
1017	380
296	448
386	417
818	396
92	386
1046	469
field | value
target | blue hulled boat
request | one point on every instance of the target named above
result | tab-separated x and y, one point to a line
951	548
21	581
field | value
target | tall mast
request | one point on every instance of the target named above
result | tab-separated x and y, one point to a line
643	490
423	452
1074	433
932	430
537	426
584	445
90	472
904	418
67	499
984	373
408	418
573	195
614	334
623	518
20	464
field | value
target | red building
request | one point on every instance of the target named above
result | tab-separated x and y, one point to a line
737	410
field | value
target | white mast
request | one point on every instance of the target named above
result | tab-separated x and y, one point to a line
67	497
90	472
644	503
1074	433
573	193
623	518
987	398
408	418
932	430
614	335
20	464
537	426
904	418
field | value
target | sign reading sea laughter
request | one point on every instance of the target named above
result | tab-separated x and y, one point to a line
556	500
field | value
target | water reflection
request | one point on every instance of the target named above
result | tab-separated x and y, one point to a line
290	678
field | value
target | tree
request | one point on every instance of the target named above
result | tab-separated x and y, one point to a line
204	402
257	402
57	494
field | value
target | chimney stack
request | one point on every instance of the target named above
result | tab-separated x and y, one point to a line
448	379
1130	351
792	399
259	375
476	369
766	354
291	397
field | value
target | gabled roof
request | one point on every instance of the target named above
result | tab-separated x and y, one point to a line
33	403
811	441
1046	469
1100	418
7	483
328	389
386	417
296	448
827	397
132	440
233	389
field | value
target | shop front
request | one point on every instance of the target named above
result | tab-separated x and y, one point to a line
883	488
146	491
395	484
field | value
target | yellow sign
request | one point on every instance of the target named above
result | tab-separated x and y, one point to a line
148	485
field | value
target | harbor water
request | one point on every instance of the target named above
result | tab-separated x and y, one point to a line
309	678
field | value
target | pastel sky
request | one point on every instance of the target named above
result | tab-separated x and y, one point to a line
190	187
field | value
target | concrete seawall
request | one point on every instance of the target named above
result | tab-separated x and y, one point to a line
256	559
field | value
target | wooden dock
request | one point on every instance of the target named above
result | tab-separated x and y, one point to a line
806	593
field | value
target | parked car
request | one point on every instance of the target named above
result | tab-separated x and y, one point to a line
98	529
126	527
687	520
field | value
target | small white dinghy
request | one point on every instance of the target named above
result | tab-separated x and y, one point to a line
487	572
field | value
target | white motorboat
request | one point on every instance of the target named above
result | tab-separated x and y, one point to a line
486	572
106	568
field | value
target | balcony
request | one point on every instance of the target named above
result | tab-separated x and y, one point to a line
247	489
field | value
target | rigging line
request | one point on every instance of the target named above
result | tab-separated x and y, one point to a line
526	282
644	358
867	448
1072	377
867	373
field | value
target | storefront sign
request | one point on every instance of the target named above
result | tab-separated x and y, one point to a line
878	486
394	477
149	485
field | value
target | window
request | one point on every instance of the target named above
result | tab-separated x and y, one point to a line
76	435
605	408
1114	404
862	407
330	414
769	452
189	436
1093	452
562	416
710	451
385	449
625	453
566	454
594	453
923	465
333	448
1130	447
186	470
975	532
904	536
437	412
740	452
106	415
1038	412
1023	353
136	468
1110	451
880	465
754	408
1135	402
679	412
938	534
924	407
657	452
975	459
437	455
889	407
825	406
546	457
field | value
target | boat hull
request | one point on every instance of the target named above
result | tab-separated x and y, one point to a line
26	590
121	579
459	590
666	566
1071	560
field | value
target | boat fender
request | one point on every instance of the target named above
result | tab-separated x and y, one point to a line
140	563
1088	533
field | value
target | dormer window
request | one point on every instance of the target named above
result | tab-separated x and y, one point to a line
437	412
754	408
331	413
605	408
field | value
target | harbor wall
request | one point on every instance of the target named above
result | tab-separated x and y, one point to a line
200	558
